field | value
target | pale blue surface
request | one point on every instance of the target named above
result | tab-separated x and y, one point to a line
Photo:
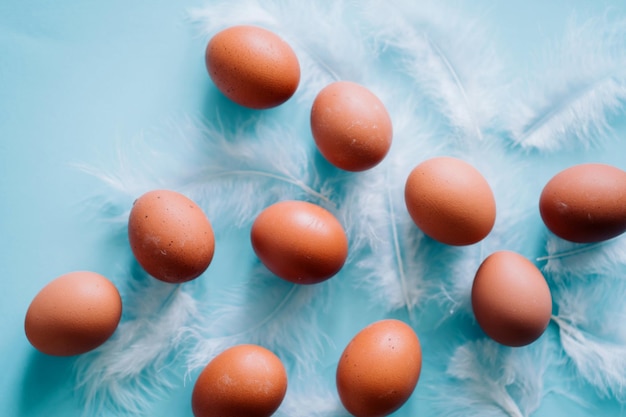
76	78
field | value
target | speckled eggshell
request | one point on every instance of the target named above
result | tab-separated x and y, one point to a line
244	380
450	201
511	299
585	203
170	236
379	369
252	66
351	126
299	241
73	314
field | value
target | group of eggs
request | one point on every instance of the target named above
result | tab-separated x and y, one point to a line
301	242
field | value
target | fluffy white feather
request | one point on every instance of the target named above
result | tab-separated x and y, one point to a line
135	365
590	316
264	310
491	380
578	85
328	47
390	256
447	54
210	162
565	257
311	397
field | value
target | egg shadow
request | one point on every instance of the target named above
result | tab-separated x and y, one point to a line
44	380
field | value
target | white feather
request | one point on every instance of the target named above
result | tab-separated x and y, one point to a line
590	316
447	54
491	380
311	397
210	163
328	48
565	257
264	310
390	256
579	84
133	367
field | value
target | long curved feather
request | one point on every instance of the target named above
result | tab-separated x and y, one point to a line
449	57
565	257
389	251
582	82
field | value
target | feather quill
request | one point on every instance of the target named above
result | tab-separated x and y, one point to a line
492	380
447	55
568	102
390	252
135	365
565	257
590	317
328	48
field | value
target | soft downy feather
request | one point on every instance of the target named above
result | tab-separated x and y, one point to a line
590	317
390	254
565	257
580	82
311	396
135	365
449	57
264	310
209	162
491	380
327	47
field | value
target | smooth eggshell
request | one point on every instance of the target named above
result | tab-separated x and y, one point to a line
244	380
252	66
170	236
300	242
450	201
351	126
73	314
585	203
511	299
379	369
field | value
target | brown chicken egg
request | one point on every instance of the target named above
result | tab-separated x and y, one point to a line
244	380
170	236
73	314
379	369
450	201
300	242
252	66
351	126
585	203
511	299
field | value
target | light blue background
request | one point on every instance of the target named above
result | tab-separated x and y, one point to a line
76	79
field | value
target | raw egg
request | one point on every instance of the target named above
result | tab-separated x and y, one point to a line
73	314
351	126
300	242
170	236
379	369
450	201
252	66
511	299
585	203
244	380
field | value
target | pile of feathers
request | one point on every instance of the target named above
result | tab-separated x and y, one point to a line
449	90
